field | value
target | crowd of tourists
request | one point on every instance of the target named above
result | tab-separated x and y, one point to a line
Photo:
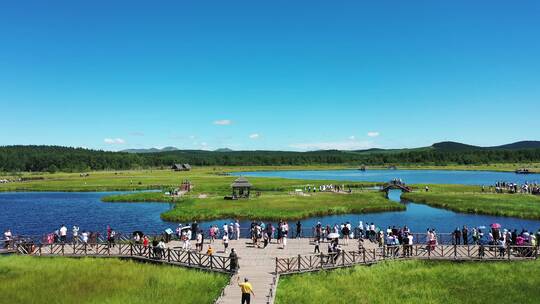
61	236
262	234
326	188
511	187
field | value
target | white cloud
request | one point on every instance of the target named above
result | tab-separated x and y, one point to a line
223	122
373	134
114	141
254	136
337	145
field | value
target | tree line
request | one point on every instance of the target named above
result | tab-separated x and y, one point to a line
56	158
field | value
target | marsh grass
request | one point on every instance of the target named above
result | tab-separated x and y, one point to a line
280	206
91	280
417	282
470	199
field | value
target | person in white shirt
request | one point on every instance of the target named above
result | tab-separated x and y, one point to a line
199	242
160	249
85	237
225	228
75	234
63	233
186	245
7	238
237	229
225	242
409	243
284	232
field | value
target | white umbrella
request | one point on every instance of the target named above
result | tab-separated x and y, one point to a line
333	235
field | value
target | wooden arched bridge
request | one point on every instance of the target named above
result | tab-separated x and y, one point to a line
395	185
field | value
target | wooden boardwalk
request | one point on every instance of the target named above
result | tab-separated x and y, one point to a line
263	266
169	255
259	265
368	256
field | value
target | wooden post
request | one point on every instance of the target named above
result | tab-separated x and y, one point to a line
276	265
364	255
169	255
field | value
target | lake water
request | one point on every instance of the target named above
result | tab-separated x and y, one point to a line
36	213
408	176
417	217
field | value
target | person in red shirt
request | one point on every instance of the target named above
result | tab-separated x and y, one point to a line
146	242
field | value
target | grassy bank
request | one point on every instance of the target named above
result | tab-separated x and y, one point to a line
513	205
63	280
158	179
280	206
416	282
205	179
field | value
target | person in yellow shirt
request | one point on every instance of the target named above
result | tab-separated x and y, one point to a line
210	250
247	290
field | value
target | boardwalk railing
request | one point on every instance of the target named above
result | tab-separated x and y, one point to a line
305	232
139	252
316	262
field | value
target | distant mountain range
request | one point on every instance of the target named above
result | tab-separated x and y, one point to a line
166	149
224	150
450	145
440	146
150	150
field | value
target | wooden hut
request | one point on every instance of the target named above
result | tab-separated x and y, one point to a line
181	167
241	188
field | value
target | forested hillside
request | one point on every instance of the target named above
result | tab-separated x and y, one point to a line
54	158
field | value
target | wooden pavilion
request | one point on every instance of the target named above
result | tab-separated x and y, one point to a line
241	188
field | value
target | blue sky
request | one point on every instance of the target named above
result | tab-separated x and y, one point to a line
279	75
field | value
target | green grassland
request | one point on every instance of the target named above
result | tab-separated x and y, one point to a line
276	200
416	282
87	280
158	179
471	199
280	206
205	179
